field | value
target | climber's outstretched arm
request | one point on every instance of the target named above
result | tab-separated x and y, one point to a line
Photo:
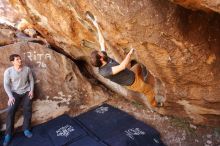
123	64
100	36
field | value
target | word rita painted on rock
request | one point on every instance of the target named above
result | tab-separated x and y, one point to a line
39	58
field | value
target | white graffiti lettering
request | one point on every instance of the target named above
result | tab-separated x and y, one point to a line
65	131
101	110
39	58
134	131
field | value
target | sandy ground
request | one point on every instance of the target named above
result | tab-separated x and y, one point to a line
174	132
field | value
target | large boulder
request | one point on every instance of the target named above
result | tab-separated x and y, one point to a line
179	47
59	85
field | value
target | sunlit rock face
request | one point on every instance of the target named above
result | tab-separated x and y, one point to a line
8	14
59	85
179	47
205	5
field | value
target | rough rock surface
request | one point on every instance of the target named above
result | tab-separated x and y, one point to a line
205	5
8	14
58	83
7	35
179	47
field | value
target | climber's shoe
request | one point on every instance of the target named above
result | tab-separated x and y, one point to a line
159	104
156	104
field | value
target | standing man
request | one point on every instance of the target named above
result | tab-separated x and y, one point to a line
134	78
19	86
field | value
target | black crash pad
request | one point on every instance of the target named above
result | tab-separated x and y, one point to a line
87	141
117	128
105	121
59	131
102	126
63	130
137	134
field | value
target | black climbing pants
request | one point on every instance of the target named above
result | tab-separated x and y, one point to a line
27	110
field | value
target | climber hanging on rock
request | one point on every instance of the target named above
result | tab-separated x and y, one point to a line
133	79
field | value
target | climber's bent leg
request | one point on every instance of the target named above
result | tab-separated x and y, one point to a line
140	86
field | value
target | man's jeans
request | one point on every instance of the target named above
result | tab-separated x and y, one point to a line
27	110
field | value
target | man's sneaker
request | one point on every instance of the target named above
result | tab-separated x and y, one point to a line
7	140
28	133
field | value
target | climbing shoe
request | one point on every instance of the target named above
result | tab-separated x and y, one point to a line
159	104
7	140
156	104
28	133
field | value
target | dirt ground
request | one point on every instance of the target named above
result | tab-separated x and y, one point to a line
174	131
